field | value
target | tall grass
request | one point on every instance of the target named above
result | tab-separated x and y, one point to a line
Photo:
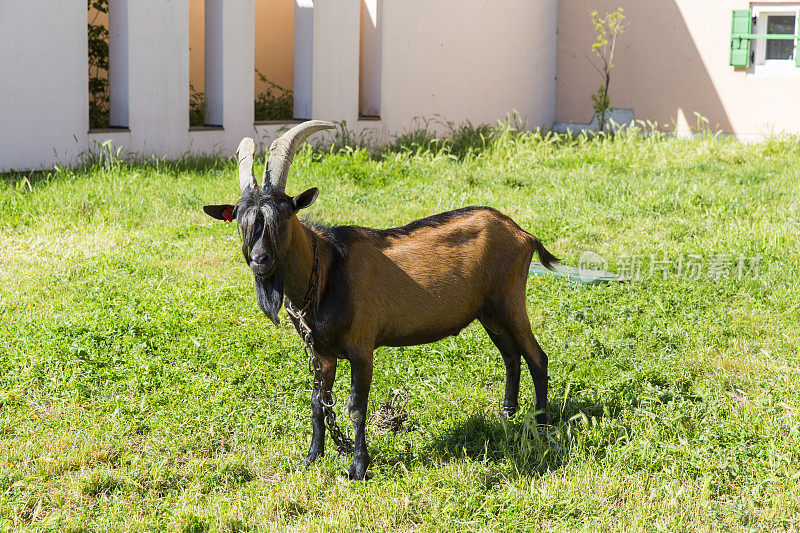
142	389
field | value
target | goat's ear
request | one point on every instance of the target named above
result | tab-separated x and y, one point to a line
305	199
226	212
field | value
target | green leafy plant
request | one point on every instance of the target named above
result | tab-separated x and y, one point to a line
197	107
608	28
98	65
275	102
458	140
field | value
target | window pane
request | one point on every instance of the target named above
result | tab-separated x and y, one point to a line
780	24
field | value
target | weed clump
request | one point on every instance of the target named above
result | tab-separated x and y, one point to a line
100	483
190	523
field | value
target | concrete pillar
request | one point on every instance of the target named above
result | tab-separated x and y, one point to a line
159	76
214	62
118	63
303	57
335	80
369	76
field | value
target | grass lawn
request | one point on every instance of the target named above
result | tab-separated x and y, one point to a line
141	388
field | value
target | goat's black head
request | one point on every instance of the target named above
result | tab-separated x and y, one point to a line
264	213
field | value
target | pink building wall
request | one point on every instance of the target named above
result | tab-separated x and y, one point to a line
671	61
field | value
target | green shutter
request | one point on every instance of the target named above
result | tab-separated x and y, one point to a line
741	23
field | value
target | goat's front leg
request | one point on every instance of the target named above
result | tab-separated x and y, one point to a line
360	381
317	416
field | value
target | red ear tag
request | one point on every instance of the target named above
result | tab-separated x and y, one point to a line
227	214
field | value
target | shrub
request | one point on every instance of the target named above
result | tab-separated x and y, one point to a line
608	28
274	103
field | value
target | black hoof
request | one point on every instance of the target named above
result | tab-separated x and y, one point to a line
358	470
509	411
310	458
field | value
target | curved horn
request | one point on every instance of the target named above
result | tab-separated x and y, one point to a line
245	152
283	149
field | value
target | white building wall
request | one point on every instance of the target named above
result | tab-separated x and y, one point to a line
159	82
456	60
44	92
468	59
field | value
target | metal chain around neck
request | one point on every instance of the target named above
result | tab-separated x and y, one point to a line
326	397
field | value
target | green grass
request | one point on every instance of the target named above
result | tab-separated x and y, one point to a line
141	388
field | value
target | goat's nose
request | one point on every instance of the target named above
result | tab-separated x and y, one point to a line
261	259
262	268
260	255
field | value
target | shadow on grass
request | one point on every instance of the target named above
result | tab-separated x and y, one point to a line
516	447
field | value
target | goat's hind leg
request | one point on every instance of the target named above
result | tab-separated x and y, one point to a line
317	447
511	358
511	333
536	360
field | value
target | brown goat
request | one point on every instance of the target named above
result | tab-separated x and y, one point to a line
397	287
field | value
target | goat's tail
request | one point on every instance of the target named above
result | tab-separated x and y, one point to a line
545	257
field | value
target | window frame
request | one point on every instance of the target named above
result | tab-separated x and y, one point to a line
760	65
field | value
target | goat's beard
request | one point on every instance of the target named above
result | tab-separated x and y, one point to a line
269	293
